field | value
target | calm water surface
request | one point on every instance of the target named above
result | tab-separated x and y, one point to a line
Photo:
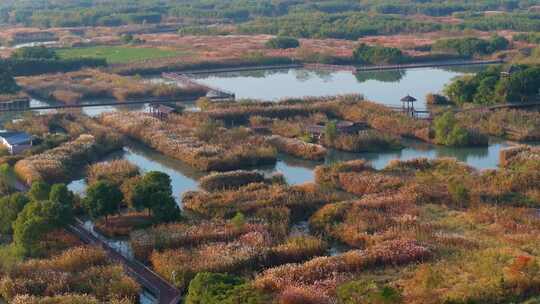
386	87
183	177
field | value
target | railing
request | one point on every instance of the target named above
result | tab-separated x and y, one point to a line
426	65
182	78
163	290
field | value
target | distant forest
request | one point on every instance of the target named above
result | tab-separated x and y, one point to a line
347	19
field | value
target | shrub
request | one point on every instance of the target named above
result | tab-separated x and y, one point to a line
282	43
436	99
214	288
367	292
10	207
365	54
449	132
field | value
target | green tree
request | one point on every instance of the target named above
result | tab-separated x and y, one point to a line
65	198
448	132
281	42
38	52
165	208
10	207
366	54
330	132
8	85
461	90
39	191
154	193
36	219
102	199
239	220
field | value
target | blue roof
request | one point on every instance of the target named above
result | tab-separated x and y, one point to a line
16	138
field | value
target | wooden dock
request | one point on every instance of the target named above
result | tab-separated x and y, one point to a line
109	103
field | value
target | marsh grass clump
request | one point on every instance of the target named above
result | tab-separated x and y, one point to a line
72	87
115	171
249	251
59	164
326	273
513	124
177	137
230	180
365	141
300	199
297	147
172	236
80	270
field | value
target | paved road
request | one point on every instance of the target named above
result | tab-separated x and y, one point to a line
165	292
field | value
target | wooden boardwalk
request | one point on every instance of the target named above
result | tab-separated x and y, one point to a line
425	65
163	290
109	103
185	80
243	69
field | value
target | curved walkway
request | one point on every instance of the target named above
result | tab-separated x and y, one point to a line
163	290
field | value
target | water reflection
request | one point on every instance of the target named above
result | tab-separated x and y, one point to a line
184	178
477	157
386	87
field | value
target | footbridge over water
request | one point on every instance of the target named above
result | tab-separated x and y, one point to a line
186	80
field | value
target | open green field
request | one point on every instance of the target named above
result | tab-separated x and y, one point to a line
117	54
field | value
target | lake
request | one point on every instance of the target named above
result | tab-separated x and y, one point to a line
386	87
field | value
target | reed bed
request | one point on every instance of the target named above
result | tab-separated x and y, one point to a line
513	124
230	180
382	118
116	171
519	155
172	236
325	273
249	252
365	141
368	221
242	254
297	147
70	88
60	299
241	113
300	199
80	270
60	163
176	139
